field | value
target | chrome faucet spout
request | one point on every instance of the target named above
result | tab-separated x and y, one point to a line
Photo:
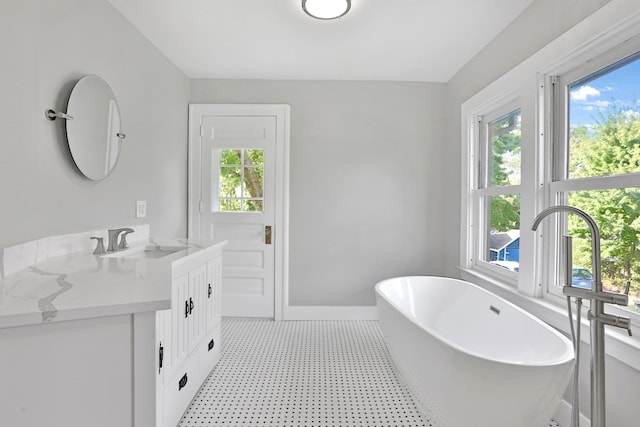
113	238
123	240
595	237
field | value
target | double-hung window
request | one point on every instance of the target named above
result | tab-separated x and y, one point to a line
596	167
496	192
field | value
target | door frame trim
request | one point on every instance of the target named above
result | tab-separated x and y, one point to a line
281	223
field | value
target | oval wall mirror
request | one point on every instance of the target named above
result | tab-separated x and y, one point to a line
93	131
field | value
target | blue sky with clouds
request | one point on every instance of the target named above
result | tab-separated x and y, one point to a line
620	87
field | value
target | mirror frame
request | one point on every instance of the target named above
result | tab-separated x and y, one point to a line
94	132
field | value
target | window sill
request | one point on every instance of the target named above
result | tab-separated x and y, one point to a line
619	345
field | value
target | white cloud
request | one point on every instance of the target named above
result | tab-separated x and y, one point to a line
595	105
583	93
602	104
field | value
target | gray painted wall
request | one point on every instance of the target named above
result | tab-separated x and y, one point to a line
46	46
366	188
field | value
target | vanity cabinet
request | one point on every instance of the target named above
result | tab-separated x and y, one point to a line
122	339
188	335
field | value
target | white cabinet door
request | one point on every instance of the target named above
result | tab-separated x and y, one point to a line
214	293
161	346
185	323
167	332
178	350
196	318
163	334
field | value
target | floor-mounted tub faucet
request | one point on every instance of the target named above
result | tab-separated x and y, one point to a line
113	239
597	316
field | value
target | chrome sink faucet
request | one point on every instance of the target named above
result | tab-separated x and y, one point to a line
113	239
596	315
123	239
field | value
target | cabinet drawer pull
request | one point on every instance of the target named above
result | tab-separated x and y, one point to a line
211	344
210	291
190	305
182	382
186	309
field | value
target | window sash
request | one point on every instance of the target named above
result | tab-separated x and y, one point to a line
481	189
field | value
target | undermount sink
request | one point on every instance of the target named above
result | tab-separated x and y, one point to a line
151	253
146	252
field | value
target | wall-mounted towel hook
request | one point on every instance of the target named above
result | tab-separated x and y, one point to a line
52	115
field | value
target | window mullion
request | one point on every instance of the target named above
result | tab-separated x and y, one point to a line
498	191
596	183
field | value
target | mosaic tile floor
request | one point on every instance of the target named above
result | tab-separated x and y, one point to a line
303	374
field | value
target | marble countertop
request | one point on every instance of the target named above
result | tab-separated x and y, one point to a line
81	285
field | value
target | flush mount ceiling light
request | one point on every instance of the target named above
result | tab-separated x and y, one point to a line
326	9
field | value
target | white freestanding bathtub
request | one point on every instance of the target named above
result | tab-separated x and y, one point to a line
470	358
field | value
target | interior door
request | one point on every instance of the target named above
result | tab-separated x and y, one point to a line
238	180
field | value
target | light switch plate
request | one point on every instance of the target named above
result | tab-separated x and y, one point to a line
141	208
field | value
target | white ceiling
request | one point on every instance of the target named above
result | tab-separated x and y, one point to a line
395	40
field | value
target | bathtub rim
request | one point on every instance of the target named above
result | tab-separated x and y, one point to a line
567	357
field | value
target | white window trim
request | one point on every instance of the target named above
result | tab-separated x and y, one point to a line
506	103
472	115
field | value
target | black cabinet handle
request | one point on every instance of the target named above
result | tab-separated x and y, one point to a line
160	357
186	309
190	305
182	382
211	344
210	291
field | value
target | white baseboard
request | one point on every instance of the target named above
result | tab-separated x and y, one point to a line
563	415
330	313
